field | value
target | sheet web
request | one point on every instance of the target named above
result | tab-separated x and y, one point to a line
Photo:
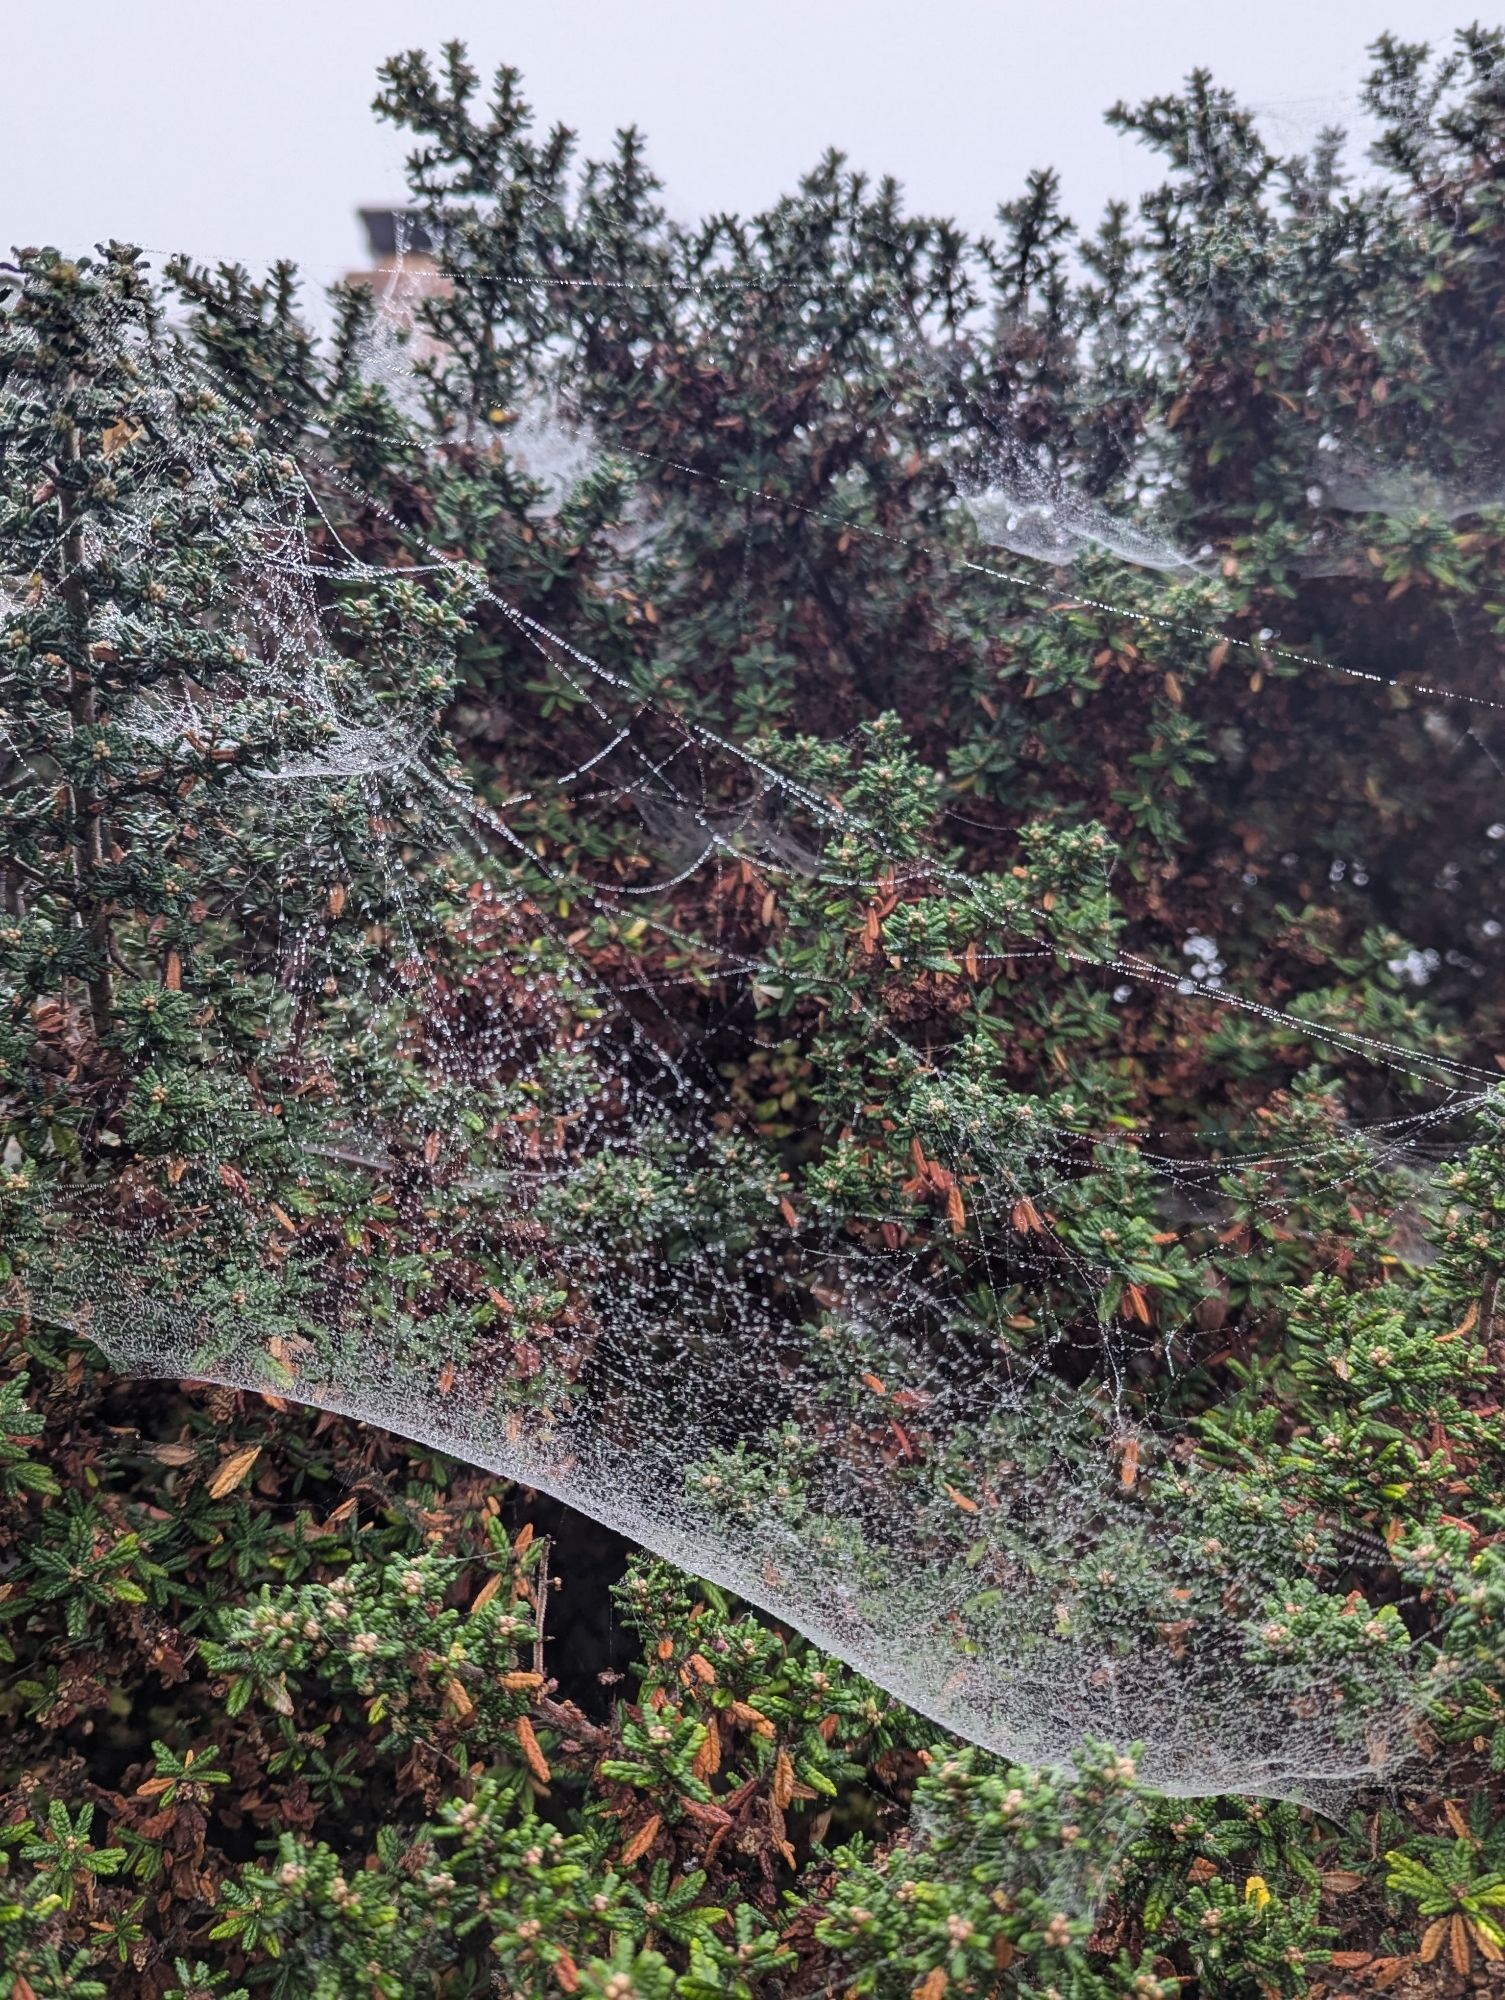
903	1390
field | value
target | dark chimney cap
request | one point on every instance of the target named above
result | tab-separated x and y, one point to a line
389	228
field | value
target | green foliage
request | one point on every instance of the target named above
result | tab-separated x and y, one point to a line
283	1713
1237	1884
994	1873
382	1637
20	1427
1457	1896
59	1849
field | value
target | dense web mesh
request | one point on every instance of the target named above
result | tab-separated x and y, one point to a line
905	1392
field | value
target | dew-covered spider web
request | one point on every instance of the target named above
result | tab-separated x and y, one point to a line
546	1038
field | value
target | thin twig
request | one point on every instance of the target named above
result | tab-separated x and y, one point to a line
540	1605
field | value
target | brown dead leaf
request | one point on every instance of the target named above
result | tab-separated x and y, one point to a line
750	1718
172	1454
707	1759
1138	1304
232	1470
1458	1950
641	1841
487	1591
117	437
715	1817
783	1780
1340	1882
534	1758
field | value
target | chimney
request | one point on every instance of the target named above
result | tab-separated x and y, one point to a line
394	234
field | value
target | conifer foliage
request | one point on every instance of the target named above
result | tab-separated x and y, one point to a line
791	873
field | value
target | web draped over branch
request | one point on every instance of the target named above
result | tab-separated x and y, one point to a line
906	1390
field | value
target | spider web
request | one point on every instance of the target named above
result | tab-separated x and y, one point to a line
929	1426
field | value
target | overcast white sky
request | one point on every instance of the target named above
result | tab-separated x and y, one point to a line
244	130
